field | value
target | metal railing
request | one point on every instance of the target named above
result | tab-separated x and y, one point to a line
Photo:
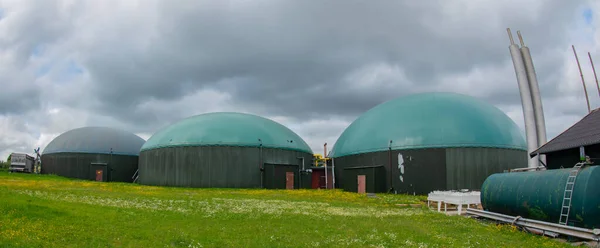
136	175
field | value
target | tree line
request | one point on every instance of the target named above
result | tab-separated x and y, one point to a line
5	164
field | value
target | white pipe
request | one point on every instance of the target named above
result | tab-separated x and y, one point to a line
326	183
526	102
302	163
325	158
538	110
333	173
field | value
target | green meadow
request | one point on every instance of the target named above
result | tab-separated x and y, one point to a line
51	211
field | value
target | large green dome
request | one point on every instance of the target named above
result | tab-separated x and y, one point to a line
227	129
430	120
99	140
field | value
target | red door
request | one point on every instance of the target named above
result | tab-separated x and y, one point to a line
99	175
362	179
316	179
289	180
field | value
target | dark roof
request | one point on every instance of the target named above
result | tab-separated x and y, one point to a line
583	133
97	140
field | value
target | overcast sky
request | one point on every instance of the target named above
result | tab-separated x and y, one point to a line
313	66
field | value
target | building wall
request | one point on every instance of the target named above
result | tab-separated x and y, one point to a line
78	165
425	170
569	157
217	166
467	168
373	184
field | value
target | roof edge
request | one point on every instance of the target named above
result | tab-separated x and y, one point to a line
536	151
90	152
224	144
401	148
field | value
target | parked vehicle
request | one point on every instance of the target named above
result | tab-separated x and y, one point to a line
21	162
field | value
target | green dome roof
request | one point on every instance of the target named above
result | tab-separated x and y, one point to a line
430	120
227	129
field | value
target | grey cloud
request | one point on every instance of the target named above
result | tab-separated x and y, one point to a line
17	94
293	58
144	66
31	27
20	138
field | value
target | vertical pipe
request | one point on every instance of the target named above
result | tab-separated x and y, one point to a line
390	165
325	165
582	80
526	102
538	110
333	173
300	171
260	164
594	69
109	176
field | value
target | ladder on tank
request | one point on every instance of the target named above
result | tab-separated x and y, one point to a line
568	195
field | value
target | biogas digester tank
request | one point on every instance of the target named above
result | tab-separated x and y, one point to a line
539	195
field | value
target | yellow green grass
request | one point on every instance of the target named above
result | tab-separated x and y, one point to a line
50	211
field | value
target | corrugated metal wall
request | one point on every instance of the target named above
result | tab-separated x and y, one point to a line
275	176
426	170
373	174
359	160
78	165
212	166
467	168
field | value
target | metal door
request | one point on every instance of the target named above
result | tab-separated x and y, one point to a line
362	184
289	180
99	175
316	179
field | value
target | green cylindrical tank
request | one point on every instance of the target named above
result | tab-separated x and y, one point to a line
539	195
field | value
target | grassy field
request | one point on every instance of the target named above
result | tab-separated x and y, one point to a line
50	211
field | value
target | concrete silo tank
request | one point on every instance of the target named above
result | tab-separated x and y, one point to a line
225	150
93	153
430	141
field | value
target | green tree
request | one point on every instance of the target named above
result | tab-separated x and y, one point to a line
5	164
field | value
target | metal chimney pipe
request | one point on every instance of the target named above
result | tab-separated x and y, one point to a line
582	81
526	101
538	110
594	69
